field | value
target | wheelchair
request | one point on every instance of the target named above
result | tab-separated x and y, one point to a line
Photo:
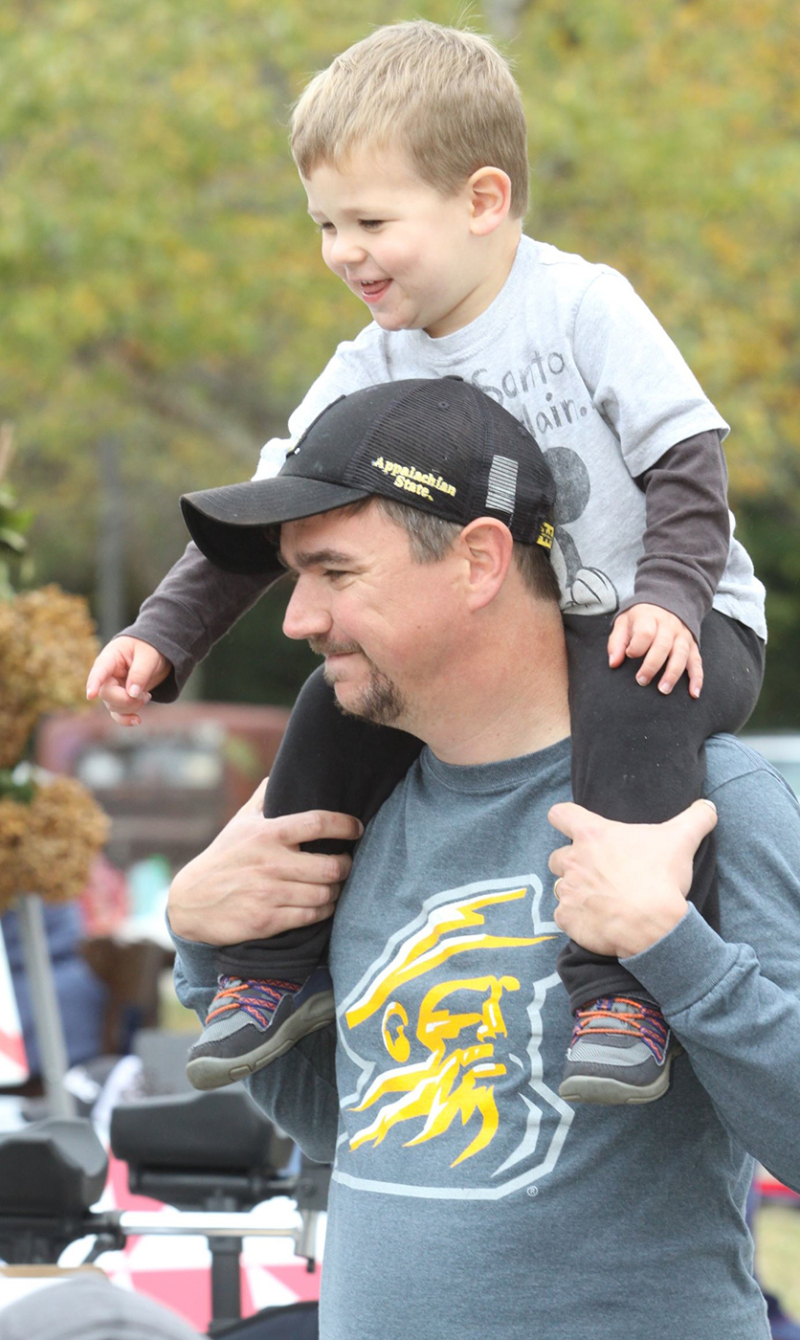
213	1156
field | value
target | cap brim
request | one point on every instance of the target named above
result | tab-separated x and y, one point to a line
228	524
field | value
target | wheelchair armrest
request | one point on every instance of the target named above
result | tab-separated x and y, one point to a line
221	1129
56	1166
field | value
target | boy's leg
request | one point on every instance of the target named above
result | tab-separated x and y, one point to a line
272	992
331	761
639	757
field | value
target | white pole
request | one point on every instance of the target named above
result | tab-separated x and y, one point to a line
46	1014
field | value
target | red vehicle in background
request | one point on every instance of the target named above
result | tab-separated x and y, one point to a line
170	784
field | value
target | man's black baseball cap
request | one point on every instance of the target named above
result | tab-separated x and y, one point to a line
441	446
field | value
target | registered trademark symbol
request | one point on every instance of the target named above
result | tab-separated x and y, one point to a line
533	1190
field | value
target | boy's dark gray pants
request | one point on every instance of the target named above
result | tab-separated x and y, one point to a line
637	756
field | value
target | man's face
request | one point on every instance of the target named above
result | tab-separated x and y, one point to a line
402	247
386	625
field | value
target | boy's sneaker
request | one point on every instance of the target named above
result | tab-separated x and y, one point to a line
621	1051
251	1023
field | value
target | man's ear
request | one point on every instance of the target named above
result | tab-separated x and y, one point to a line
488	547
490	199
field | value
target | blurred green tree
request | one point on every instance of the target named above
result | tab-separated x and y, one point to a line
159	276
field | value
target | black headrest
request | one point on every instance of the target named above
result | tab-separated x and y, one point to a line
221	1129
52	1166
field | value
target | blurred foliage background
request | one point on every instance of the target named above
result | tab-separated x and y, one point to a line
164	305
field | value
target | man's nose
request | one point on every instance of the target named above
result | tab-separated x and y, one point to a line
306	614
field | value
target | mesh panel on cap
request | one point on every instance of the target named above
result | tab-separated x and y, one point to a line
417	451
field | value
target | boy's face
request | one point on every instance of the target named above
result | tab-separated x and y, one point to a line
407	251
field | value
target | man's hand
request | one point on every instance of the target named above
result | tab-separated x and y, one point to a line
254	881
621	887
658	636
123	675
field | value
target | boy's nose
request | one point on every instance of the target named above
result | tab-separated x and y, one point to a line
346	250
306	616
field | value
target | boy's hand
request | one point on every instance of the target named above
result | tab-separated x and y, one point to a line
255	881
123	675
658	636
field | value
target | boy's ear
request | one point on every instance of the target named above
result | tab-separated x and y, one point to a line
490	199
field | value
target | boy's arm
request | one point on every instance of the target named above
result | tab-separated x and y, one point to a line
669	434
686	545
688	533
191	609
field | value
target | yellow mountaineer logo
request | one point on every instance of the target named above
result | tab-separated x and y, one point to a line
455	1078
410	479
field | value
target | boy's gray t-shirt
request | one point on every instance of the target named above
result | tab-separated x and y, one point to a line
570	349
467	1197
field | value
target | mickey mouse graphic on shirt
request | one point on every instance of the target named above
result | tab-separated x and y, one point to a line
583	588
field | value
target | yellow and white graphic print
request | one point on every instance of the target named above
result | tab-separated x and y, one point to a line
444	1032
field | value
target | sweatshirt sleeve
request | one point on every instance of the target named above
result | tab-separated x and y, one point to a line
734	999
688	530
297	1091
190	610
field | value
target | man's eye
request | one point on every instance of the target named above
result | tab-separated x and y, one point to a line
333	574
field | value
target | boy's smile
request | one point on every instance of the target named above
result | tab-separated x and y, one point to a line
413	255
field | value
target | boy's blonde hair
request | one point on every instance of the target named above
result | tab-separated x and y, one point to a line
444	95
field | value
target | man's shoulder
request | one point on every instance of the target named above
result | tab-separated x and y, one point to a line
731	760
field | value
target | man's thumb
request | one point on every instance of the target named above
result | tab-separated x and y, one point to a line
695	823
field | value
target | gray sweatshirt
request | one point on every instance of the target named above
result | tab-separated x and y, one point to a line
467	1198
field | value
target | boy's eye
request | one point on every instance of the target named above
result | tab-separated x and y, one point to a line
370	224
325	228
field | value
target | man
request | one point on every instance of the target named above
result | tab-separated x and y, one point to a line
467	1196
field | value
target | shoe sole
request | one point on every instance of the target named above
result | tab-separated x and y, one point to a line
614	1092
214	1072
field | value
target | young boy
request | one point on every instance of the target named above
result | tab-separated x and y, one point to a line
412	150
